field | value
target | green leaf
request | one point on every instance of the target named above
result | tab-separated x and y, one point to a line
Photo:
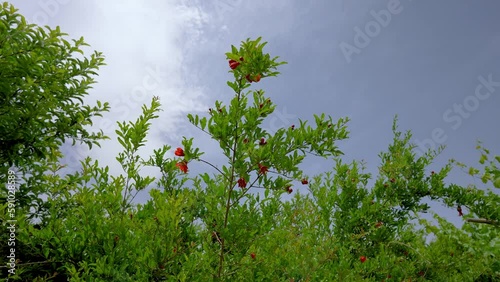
496	183
203	123
483	159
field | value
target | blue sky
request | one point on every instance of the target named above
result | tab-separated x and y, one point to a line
421	60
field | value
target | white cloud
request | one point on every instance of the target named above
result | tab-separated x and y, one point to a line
145	44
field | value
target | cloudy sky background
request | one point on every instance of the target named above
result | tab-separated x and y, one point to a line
420	64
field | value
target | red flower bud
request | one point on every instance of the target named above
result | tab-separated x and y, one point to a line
257	78
378	224
304	181
182	166
289	189
263	169
242	183
262	142
252	255
362	259
179	152
233	64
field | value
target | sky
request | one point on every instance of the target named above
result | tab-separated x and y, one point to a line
435	64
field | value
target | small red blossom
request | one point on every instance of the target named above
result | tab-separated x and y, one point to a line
378	224
252	255
292	127
182	166
241	59
459	210
233	64
289	189
263	169
245	140
304	181
432	172
261	105
362	259
242	183
251	78
262	142
179	152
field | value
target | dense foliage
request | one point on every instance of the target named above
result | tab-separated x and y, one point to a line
231	224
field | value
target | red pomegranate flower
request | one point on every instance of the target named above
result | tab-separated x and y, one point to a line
252	255
262	142
249	79
304	181
263	169
378	224
179	152
459	210
182	166
362	259
257	78
233	64
242	183
289	189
